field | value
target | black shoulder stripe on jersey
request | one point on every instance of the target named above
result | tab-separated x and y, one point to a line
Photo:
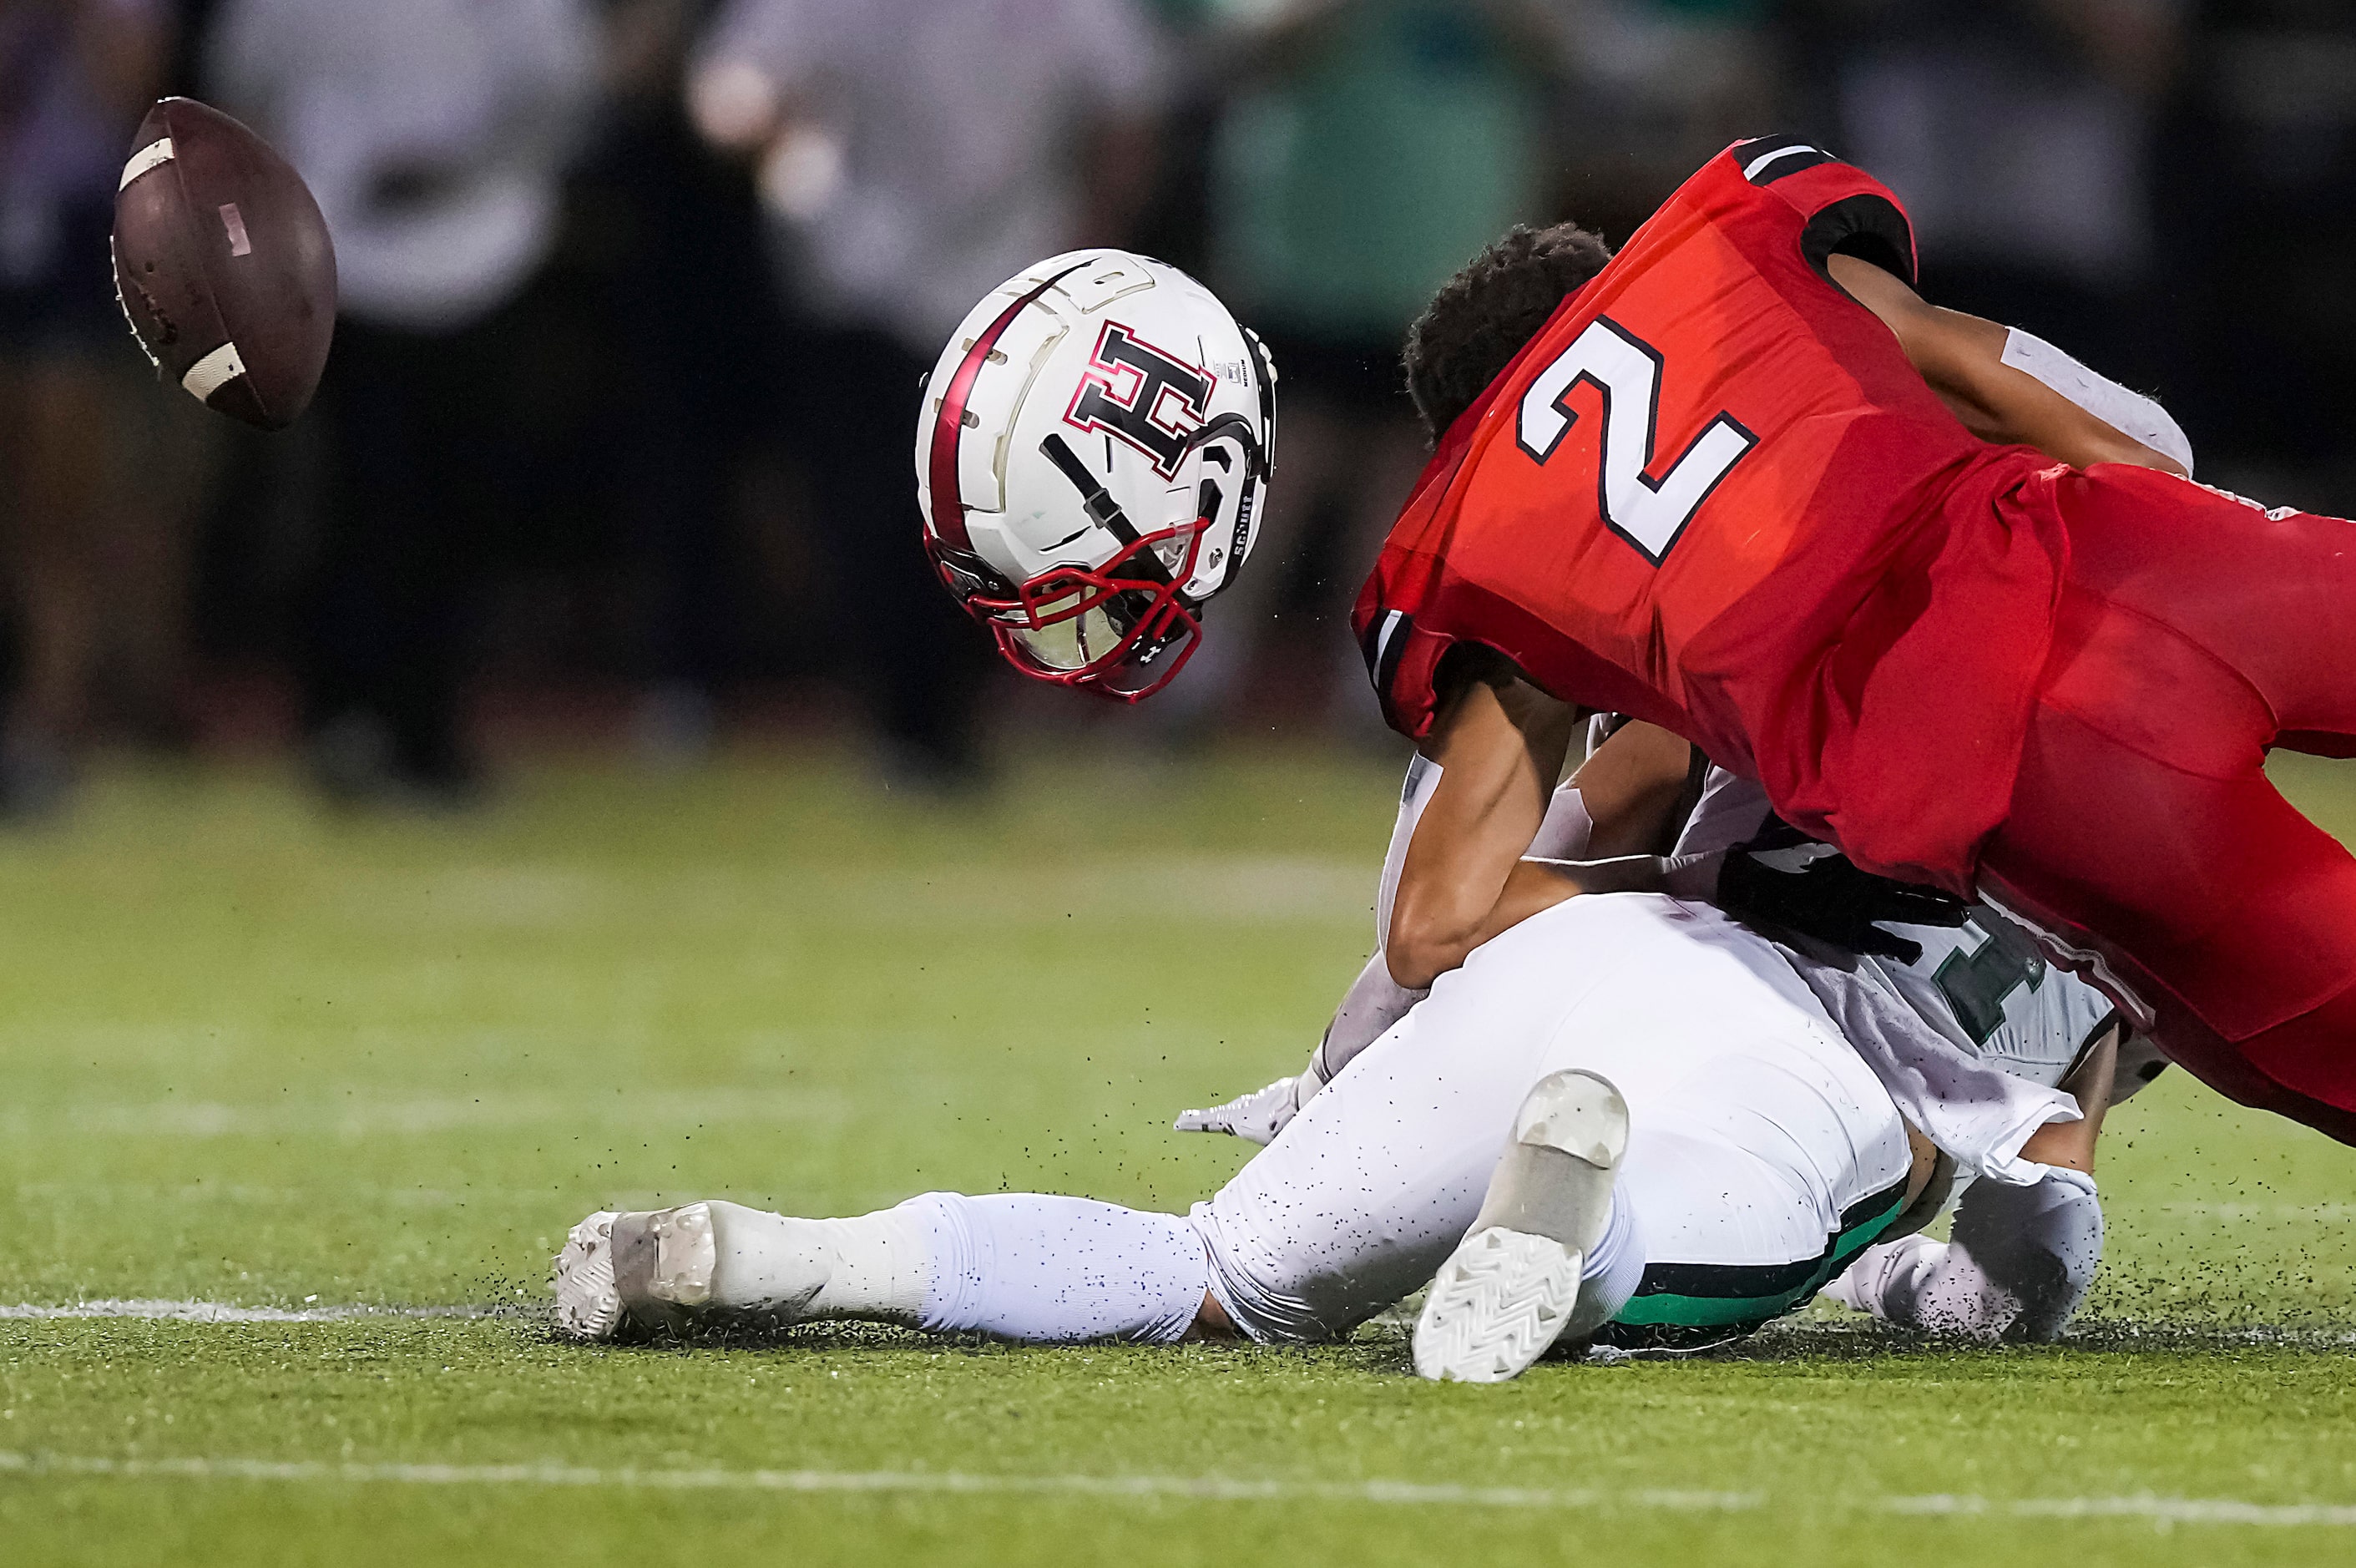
1370	640
1867	227
1384	645
1744	152
1769	158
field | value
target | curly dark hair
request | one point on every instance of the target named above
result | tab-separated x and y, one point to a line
1482	316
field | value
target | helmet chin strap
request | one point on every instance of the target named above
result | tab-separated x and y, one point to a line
1101	508
1163	620
1106	513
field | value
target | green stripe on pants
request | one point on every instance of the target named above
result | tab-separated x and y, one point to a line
1744	1312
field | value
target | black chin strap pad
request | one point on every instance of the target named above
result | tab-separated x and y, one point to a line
1099	504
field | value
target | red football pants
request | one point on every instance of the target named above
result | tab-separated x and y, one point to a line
2195	631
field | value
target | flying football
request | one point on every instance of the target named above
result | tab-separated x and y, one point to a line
223	264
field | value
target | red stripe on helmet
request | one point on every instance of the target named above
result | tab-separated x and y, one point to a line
948	504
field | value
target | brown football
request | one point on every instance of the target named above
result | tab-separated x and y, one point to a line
223	264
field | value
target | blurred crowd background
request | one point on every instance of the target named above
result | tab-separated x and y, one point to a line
614	443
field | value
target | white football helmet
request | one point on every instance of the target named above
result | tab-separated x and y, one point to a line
1092	459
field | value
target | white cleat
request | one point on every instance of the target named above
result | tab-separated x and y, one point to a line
1495	1306
668	1268
588	1307
1510	1288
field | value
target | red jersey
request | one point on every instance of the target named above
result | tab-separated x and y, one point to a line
1712	493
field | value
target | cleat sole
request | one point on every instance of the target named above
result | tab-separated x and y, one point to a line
1508	1291
1495	1306
588	1306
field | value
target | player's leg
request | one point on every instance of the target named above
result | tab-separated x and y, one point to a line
1351	1208
1761	1157
1022	1266
1368	1189
2270	595
1758	1143
2223	924
1517	1283
62	426
1365	1193
2196	631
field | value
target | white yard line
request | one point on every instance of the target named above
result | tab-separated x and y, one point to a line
157	1310
2326	1213
357	1194
2161	1510
1214	1488
149	1311
358	1118
1209	1489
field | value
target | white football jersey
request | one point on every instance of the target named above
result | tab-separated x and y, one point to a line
1985	985
1986	988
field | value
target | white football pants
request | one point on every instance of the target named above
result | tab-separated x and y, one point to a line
1763	1155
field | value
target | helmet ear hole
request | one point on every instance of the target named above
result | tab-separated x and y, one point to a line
1215	556
1227	504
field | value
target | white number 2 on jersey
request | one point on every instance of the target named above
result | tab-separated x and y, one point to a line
1648	514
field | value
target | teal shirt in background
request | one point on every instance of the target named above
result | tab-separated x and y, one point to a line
1347	189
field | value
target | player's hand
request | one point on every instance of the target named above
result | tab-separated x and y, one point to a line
1784	878
1255	1118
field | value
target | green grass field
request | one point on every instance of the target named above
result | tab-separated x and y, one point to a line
258	1056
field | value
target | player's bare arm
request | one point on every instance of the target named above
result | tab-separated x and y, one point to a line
1631	794
2091	1082
1534	886
1962	357
1501	742
1635	785
1634	789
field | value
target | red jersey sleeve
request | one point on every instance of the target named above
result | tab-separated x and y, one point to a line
1836	209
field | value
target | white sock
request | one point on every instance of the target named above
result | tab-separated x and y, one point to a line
1609	1275
875	1266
